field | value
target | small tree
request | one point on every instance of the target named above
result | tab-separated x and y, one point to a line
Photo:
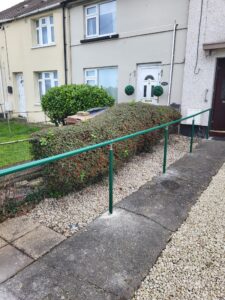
61	102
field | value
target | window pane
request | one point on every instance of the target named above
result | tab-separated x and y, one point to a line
107	18
91	10
47	75
52	34
44	35
48	85
37	23
90	73
43	21
56	83
55	75
51	19
91	82
40	89
38	36
108	80
40	75
91	26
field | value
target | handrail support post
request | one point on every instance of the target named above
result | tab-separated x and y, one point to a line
111	158
166	134
209	124
192	135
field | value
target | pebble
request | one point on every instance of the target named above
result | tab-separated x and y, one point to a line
192	267
81	208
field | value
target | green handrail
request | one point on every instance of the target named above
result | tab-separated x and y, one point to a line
54	158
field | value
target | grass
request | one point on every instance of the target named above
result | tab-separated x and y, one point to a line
16	130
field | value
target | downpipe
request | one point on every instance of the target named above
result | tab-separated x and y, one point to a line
172	62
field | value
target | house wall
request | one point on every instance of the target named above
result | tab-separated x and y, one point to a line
24	57
145	29
200	66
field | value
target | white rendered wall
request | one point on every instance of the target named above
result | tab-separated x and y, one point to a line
199	74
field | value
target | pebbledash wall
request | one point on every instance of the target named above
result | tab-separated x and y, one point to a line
145	30
200	65
19	54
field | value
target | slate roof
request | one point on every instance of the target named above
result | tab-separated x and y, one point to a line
26	7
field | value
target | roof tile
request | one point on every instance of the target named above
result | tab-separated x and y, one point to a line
25	7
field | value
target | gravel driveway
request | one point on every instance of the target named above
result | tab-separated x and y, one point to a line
69	214
193	264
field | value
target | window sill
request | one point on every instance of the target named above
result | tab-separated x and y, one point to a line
100	38
43	46
37	104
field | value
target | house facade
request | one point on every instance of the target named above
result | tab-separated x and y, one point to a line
204	76
32	56
120	43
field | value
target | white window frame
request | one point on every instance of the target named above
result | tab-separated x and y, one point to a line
96	76
91	78
49	26
97	17
42	77
92	16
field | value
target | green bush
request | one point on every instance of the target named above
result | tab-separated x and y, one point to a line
76	172
61	102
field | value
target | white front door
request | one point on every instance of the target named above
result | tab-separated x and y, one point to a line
21	95
149	76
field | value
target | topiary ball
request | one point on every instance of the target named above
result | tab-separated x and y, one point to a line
129	90
158	91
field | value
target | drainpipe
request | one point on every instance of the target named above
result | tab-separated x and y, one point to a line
65	44
172	62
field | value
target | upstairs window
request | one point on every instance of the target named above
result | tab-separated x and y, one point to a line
100	19
45	31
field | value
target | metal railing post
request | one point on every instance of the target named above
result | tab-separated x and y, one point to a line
111	179
192	135
209	124
166	134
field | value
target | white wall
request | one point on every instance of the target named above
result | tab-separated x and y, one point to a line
199	73
145	28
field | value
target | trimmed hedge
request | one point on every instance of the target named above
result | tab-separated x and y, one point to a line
60	102
76	172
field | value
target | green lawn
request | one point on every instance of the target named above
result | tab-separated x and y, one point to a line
19	152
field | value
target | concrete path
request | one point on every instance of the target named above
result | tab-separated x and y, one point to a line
112	256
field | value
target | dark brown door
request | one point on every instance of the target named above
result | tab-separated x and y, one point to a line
218	120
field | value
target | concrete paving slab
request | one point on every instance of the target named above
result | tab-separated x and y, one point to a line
6	295
11	261
2	243
39	241
41	282
202	164
113	255
13	229
167	199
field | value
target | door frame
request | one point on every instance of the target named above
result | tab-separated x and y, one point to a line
214	93
20	113
141	66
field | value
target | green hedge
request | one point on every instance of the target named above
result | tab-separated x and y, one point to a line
66	100
76	172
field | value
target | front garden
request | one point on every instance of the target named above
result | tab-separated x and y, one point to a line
12	151
75	173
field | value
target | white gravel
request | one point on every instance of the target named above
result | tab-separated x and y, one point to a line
193	264
69	214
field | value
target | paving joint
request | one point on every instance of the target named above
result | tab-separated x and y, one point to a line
113	254
146	217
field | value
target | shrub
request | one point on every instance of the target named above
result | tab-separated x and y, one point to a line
61	102
76	172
